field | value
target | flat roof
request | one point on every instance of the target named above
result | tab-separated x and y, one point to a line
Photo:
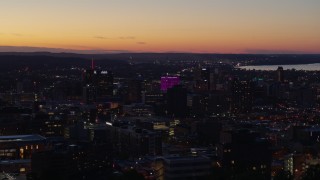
21	138
17	161
185	158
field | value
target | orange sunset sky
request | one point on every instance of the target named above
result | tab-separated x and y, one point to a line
200	26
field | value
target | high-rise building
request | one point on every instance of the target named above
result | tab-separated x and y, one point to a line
241	151
88	76
242	96
134	93
89	90
97	84
103	80
280	76
89	93
177	101
168	82
204	80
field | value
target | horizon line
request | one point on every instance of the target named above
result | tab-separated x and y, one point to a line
35	49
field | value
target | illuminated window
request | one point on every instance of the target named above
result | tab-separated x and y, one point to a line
21	153
22	169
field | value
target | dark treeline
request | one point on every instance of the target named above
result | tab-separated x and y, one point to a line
11	61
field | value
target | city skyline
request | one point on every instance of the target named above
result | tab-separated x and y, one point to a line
159	89
161	26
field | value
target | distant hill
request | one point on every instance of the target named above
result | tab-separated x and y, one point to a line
12	60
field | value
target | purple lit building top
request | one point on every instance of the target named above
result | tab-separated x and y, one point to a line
168	82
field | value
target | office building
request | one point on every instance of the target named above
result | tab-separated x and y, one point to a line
168	82
186	167
177	101
280	74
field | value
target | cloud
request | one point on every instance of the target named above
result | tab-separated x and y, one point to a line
12	34
126	37
141	43
17	34
101	37
121	37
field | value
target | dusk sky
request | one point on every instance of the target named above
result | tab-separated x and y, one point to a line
201	26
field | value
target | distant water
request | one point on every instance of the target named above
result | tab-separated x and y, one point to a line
304	67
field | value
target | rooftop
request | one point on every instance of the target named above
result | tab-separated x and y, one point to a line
21	138
185	158
17	161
